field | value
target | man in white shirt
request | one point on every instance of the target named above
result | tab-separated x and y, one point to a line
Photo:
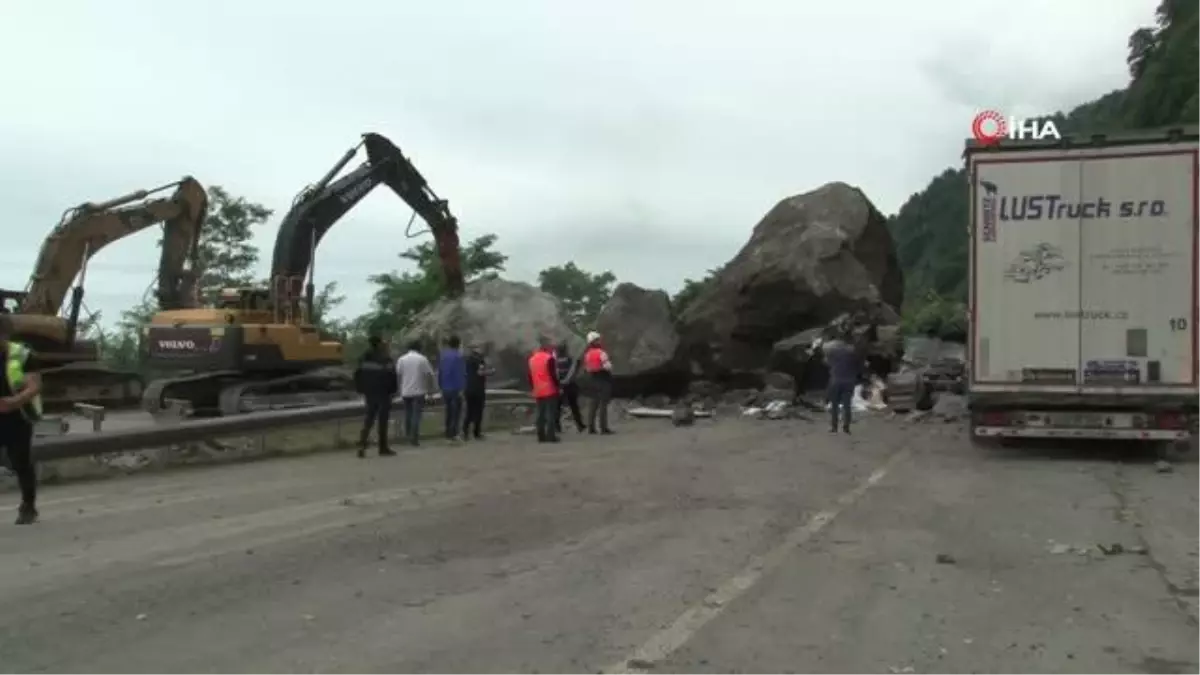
415	376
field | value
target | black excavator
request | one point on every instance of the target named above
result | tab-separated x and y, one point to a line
70	365
259	347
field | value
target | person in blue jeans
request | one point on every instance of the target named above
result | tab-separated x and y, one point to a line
452	380
414	377
845	367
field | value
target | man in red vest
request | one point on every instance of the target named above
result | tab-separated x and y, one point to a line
543	378
599	370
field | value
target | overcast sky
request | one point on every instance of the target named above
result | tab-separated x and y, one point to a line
644	137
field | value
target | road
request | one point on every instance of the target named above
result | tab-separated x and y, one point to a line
734	546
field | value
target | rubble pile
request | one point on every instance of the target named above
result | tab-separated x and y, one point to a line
817	266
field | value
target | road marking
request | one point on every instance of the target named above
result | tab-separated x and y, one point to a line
670	639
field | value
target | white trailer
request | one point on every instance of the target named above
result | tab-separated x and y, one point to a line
1083	306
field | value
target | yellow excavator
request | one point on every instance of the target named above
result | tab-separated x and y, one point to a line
258	347
71	369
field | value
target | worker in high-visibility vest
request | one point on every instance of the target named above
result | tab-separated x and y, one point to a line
20	409
599	370
543	378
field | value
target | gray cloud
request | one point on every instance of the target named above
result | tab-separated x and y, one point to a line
646	138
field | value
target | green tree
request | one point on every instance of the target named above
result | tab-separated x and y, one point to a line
120	345
582	293
225	256
325	302
400	296
692	288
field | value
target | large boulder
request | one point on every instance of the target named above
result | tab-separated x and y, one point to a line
812	258
506	317
640	337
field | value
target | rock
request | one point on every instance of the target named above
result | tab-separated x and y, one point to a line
683	416
703	391
1163	466
506	317
810	259
780	381
639	334
656	401
771	394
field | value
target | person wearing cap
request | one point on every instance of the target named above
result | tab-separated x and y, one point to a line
543	379
476	392
375	379
20	409
599	369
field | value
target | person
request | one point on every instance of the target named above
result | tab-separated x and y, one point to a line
375	379
845	367
20	409
543	378
566	367
599	369
414	376
452	380
476	392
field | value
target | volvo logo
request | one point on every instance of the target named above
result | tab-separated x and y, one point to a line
176	344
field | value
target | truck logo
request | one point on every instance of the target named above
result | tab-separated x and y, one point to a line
1035	263
177	344
988	207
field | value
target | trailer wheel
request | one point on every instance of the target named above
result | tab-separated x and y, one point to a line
1177	451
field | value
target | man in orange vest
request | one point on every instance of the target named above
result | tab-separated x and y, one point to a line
599	370
543	378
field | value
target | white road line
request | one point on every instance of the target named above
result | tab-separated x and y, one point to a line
670	639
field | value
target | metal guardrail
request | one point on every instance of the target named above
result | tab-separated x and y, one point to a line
186	431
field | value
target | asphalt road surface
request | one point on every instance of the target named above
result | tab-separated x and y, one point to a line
734	546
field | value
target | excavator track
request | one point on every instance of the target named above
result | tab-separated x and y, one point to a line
224	393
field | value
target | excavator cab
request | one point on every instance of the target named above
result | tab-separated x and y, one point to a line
245	299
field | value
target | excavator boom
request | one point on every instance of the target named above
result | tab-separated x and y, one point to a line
324	203
87	228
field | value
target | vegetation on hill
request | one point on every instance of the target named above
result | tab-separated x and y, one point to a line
930	230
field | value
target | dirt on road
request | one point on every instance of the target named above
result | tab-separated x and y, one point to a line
731	546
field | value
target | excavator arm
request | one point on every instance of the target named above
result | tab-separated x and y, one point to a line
322	204
87	228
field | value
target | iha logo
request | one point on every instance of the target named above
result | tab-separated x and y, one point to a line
990	127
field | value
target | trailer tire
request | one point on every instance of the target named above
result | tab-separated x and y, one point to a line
1177	451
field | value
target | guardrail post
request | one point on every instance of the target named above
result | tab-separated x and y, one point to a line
95	413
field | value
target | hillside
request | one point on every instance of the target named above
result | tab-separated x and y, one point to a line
930	228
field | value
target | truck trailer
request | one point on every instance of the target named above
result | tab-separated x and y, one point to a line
1083	278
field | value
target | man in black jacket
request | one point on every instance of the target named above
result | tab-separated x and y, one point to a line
566	369
376	381
476	393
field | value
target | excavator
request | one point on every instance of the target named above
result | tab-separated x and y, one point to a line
261	344
71	369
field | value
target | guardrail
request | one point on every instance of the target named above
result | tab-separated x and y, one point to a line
185	431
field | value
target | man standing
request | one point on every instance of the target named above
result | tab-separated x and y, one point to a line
452	380
20	409
845	366
376	381
414	377
477	374
566	368
599	370
543	378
